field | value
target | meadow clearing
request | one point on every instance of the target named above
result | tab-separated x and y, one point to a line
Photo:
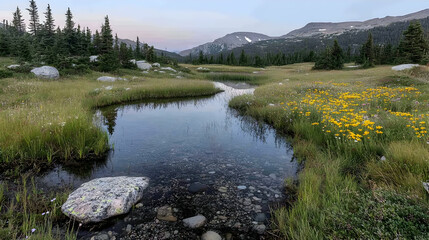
360	134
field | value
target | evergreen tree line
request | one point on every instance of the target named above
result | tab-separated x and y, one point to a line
243	59
413	48
70	47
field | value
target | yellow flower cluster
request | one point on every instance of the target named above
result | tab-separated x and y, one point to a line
353	115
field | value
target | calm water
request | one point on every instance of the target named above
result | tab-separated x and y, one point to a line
178	142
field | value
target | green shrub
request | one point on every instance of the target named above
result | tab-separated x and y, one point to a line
5	74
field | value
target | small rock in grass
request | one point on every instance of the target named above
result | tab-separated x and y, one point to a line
165	213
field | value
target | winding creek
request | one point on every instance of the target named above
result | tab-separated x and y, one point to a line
177	143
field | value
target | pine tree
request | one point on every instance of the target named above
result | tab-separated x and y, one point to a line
201	58
24	51
150	55
108	59
97	43
125	56
324	61
116	47
337	57
34	18
70	33
5	48
368	53
220	60
138	50
232	58
414	45
18	21
243	59
49	28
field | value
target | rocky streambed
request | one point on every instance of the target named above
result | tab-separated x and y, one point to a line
203	161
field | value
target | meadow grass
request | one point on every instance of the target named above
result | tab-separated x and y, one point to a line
344	124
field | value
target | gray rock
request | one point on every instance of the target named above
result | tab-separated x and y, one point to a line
197	187
165	213
223	189
46	72
103	198
15	66
210	235
143	65
93	58
128	229
404	67
169	69
260	229
383	158
195	222
139	205
426	186
157	65
260	217
106	79
101	236
241	187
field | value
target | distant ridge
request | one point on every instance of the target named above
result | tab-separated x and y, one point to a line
228	42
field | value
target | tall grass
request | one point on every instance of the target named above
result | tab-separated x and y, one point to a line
345	191
29	213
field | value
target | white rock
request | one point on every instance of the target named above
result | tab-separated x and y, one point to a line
179	77
46	72
14	66
103	198
133	61
145	72
93	58
168	69
108	88
383	158
241	187
210	235
195	222
404	67
143	65
157	65
203	69
106	79
161	71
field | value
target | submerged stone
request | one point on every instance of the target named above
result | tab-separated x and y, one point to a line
210	235
102	198
197	187
165	213
195	222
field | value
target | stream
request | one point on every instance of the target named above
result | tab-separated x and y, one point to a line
179	142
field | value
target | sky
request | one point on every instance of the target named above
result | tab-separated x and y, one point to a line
176	25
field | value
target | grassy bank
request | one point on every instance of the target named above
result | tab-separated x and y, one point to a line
362	137
43	121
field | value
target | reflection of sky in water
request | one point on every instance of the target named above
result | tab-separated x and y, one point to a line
181	135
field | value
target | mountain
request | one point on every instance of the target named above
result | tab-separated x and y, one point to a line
390	34
326	28
226	43
159	52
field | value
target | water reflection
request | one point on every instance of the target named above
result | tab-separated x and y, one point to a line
151	135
